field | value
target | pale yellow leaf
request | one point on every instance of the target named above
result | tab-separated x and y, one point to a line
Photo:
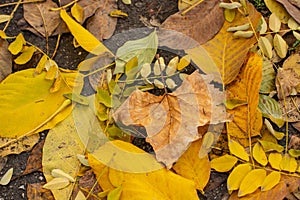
252	181
170	83
77	12
25	56
58	173
17	45
280	46
4	18
264	26
207	142
237	175
292	24
270	146
275	160
57	183
238	150
172	66
278	9
146	70
265	46
288	163
80	196
7	177
296	35
259	154
86	40
274	22
223	163
271	181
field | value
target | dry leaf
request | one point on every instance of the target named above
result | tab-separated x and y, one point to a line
37	192
280	46
106	28
34	162
57	184
291	9
274	22
192	104
268	77
278	9
247	118
41	18
229	53
286	82
265	46
5	60
201	23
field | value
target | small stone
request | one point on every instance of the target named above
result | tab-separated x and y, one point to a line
22	187
41	178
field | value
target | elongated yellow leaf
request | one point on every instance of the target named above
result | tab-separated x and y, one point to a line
278	9
4	18
275	160
84	38
271	181
7	177
252	181
288	163
274	22
237	175
270	146
26	55
259	154
238	150
57	183
16	46
207	142
265	46
280	46
223	163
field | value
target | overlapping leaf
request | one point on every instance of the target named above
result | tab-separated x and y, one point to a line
5	60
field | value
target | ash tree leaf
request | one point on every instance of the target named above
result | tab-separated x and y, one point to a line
238	150
270	108
265	46
58	173
17	45
278	9
270	146
288	163
280	46
57	183
25	56
252	181
5	60
224	163
207	142
292	7
271	181
171	120
259	155
77	12
276	134
274	22
144	49
237	175
7	177
294	153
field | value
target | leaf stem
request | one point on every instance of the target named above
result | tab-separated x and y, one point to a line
191	7
12	14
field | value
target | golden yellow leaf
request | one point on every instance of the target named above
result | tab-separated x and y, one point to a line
41	65
192	167
77	12
26	100
17	45
25	56
259	154
252	181
270	146
238	150
5	179
278	9
52	72
271	181
194	103
247	118
237	175
223	163
84	38
56	85
183	62
288	163
275	160
294	153
229	14
228	52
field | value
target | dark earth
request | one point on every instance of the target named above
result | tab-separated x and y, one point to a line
69	57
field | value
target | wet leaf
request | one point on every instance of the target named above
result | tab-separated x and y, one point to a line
5	179
280	46
5	60
84	38
265	46
25	56
278	9
259	155
191	104
208	17
288	163
41	18
224	163
252	181
274	22
57	184
238	150
271	181
17	45
144	49
192	167
77	12
275	160
237	175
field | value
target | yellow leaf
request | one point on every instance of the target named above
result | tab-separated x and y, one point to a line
41	65
80	196
288	163
278	9
237	175
259	154
270	146
52	73
238	150
25	56
77	12
118	13
4	18
58	173
294	153
233	103
223	163
86	40
280	46
57	184
271	181
265	46
16	46
228	52
26	101
56	85
252	181
192	167
183	62
274	22
115	194
229	14
207	142
7	177
275	160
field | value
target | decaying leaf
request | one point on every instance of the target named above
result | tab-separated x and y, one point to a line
192	104
286	82
228	52
270	108
36	191
201	23
5	60
41	18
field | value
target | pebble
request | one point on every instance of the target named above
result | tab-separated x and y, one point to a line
41	178
22	187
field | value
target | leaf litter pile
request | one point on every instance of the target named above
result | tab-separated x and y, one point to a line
212	91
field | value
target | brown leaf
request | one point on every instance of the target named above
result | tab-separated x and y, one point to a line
291	9
290	107
171	120
41	18
5	60
286	82
297	125
201	23
34	162
36	191
101	25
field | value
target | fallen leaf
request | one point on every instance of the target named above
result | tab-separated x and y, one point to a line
88	182
238	150
274	160
237	175
17	45
80	196
292	62
259	155
280	46
32	111
291	9
270	108
265	46
195	103
289	108
25	56
106	28
247	118
36	191
252	181
192	167
287	81
5	179
288	163
274	22
4	18
278	135
271	181
77	12
278	9
201	23
5	60
224	163
115	194
57	184
41	18
58	173
184	4
34	161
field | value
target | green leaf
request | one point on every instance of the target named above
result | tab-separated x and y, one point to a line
268	81
104	97
131	68
144	49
